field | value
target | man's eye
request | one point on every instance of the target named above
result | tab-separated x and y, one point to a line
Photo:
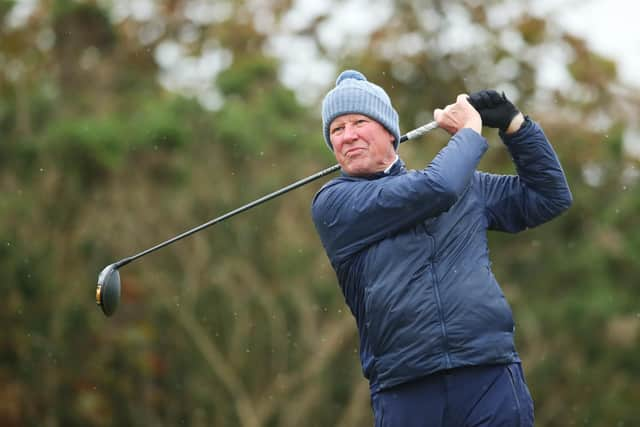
337	129
360	122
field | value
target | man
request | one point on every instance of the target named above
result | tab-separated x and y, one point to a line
410	253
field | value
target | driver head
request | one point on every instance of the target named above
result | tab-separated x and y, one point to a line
108	290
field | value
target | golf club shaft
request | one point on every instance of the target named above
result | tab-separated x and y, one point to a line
409	135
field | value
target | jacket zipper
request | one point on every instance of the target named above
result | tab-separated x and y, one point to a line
436	290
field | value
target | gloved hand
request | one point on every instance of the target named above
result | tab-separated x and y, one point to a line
495	109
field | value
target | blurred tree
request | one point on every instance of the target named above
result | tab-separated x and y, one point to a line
124	123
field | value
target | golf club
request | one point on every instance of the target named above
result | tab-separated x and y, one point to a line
108	289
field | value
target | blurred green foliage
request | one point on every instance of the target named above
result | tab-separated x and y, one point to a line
244	324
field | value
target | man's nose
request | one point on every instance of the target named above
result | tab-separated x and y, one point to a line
350	133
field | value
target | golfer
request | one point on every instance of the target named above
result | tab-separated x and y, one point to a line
409	248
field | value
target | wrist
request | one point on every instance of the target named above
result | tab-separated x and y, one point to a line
476	126
515	124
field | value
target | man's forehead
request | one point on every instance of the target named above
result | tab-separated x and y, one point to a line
346	118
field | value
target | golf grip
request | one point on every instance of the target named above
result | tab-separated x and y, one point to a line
418	132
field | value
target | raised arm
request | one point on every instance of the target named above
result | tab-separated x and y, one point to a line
352	213
540	191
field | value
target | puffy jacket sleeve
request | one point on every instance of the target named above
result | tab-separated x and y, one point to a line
353	213
537	194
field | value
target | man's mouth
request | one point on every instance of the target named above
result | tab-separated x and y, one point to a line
353	150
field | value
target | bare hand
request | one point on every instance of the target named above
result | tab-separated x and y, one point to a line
457	116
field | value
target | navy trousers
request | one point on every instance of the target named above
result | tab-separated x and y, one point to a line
478	396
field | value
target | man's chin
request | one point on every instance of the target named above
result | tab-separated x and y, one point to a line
358	170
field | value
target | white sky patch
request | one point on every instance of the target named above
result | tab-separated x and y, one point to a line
302	67
609	26
504	14
264	21
593	174
350	24
631	142
552	68
459	33
206	12
303	13
193	75
409	44
429	19
20	13
347	28
511	40
630	175
168	53
138	10
507	68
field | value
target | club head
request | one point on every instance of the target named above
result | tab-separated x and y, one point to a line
108	290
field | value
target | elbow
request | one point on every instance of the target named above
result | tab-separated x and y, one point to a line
565	202
557	206
568	201
549	209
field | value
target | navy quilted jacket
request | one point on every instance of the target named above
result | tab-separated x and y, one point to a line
410	252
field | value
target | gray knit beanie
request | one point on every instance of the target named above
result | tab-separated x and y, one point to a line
353	94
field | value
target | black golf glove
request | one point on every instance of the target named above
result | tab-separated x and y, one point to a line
495	109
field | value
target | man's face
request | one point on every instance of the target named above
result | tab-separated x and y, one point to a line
361	145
